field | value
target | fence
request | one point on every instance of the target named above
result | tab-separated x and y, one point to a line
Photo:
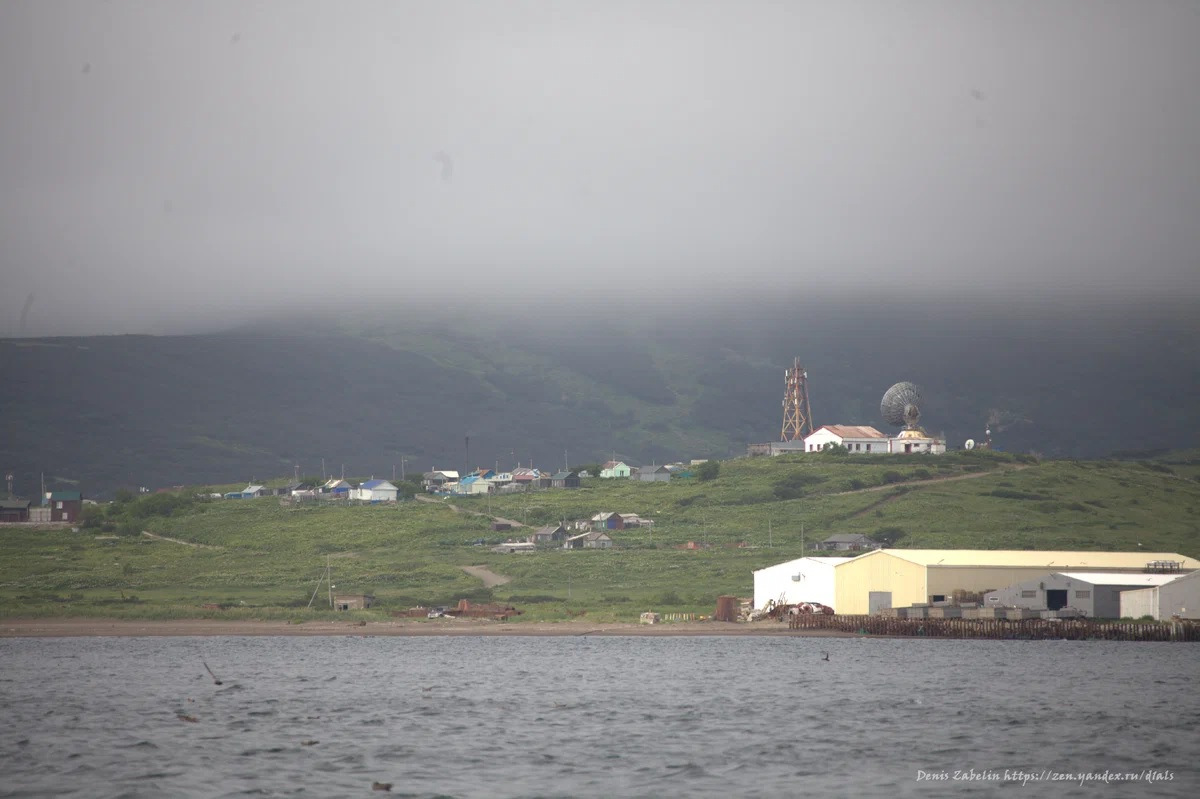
1027	629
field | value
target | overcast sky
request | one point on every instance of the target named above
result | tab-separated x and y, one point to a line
170	165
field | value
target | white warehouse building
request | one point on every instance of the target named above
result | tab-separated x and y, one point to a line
1178	597
802	580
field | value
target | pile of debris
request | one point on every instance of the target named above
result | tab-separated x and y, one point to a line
779	610
463	609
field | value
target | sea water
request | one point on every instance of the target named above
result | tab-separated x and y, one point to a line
589	716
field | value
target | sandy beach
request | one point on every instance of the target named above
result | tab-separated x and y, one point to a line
89	627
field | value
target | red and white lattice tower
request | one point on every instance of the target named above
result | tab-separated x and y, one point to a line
797	415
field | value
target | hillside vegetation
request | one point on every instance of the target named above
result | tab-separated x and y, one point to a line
648	385
259	558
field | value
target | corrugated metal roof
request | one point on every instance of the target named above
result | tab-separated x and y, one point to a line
1117	578
831	560
1054	559
852	431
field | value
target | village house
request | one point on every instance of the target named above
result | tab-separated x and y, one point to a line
474	484
550	534
249	492
65	506
595	539
438	480
654	474
337	487
612	469
608	521
376	491
525	476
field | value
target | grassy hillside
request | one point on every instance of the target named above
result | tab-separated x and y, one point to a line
643	385
261	558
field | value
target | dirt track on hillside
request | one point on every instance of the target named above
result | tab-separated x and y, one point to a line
933	480
489	577
456	509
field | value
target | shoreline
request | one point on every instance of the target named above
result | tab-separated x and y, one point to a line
95	627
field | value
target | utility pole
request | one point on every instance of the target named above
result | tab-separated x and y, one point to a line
402	460
329	580
769	534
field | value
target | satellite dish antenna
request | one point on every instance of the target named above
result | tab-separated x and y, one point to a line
970	444
901	405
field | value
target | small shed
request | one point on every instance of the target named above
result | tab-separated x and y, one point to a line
848	542
14	510
565	479
499	527
353	601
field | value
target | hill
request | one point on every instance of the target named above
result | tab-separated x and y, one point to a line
260	558
418	391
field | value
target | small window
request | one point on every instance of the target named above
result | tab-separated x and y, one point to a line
1028	594
1083	594
939	597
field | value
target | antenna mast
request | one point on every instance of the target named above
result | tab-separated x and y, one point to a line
797	415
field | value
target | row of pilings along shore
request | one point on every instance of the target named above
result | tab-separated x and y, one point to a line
1026	629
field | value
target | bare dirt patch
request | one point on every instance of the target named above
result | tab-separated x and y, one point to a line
489	577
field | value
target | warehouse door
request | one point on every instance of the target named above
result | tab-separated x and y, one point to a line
878	600
1056	599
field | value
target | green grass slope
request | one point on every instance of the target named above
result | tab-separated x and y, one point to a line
260	558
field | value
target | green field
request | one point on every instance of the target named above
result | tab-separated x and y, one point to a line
260	559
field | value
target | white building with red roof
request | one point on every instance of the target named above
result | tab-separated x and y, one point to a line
858	439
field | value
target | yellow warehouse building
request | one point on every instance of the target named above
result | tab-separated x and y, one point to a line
895	578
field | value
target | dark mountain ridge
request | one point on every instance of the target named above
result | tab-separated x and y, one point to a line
370	389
